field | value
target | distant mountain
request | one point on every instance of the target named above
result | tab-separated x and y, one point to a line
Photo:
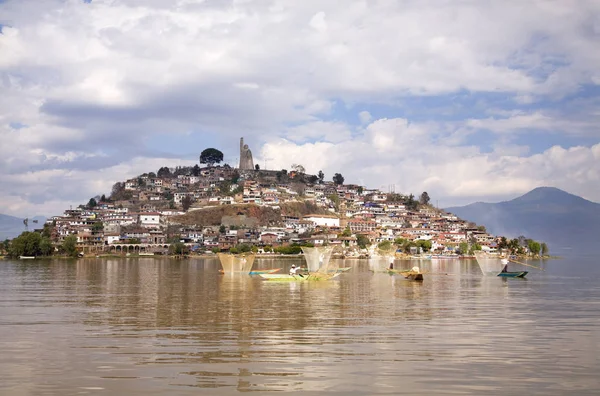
11	226
564	221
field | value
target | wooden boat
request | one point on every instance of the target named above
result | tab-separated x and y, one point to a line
298	278
26	257
412	274
258	271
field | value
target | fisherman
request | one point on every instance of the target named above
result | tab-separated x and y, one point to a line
391	265
293	270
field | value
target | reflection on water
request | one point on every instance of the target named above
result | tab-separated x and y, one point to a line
157	326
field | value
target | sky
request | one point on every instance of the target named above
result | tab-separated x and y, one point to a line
467	100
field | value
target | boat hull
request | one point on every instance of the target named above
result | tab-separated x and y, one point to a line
258	271
298	278
265	271
513	274
410	275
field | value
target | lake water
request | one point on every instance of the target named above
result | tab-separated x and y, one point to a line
160	326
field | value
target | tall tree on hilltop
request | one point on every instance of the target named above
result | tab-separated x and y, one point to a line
338	179
321	176
92	203
164	172
410	202
211	156
424	199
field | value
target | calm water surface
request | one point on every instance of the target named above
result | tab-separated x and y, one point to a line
159	326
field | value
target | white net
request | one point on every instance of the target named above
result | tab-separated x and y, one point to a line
490	264
236	263
318	259
380	259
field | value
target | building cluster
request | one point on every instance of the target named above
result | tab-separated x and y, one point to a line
142	217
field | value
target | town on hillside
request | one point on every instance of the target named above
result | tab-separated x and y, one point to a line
209	208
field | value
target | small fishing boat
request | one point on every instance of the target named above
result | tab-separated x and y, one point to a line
513	274
298	278
26	257
510	274
494	264
258	271
264	271
412	274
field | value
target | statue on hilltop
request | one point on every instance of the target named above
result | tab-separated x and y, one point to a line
246	162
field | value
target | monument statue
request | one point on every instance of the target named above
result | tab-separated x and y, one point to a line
246	162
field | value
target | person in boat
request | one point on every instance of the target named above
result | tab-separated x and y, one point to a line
391	265
293	270
504	261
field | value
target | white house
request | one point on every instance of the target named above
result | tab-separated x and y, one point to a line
150	219
323	220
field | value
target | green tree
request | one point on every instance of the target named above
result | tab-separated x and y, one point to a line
97	227
46	247
92	203
338	179
410	202
69	246
26	244
474	247
336	201
513	246
347	232
211	156
362	241
215	250
425	245
103	198
463	248
534	247
312	179
424	199
222	229
257	167
178	249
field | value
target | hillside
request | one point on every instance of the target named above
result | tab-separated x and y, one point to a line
564	221
249	215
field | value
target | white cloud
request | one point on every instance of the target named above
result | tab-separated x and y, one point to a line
364	117
392	152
